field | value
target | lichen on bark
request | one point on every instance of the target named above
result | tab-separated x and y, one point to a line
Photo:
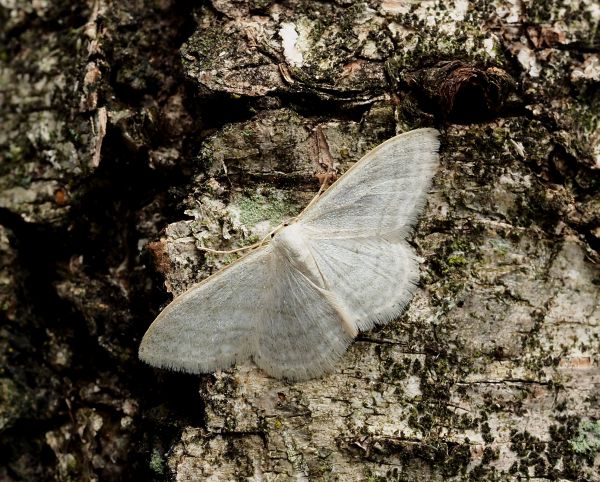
134	134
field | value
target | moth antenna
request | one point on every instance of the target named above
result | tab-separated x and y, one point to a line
258	244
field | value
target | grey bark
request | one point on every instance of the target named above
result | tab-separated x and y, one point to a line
133	134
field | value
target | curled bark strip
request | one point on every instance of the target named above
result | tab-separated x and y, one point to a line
463	92
325	159
100	127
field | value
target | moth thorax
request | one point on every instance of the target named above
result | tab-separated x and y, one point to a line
292	243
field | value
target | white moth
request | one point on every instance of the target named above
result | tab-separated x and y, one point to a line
294	306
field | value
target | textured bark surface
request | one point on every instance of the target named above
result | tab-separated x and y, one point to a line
135	132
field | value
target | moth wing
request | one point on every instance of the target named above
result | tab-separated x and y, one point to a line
214	324
374	276
261	308
383	192
305	329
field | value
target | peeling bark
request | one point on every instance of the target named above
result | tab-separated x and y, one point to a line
135	133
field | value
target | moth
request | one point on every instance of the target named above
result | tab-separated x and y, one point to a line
294	305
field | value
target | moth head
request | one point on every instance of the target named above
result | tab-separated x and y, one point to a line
283	225
286	231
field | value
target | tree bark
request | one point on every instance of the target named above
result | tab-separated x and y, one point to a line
134	133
